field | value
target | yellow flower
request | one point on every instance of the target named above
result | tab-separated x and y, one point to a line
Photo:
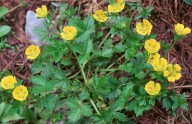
116	7
69	32
8	82
153	56
180	30
152	88
100	16
173	72
159	64
32	52
144	28
20	93
41	12
152	46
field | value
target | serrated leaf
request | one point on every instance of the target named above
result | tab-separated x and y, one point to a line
82	58
119	116
166	103
74	115
38	80
29	114
77	109
86	110
107	53
119	47
84	95
48	101
85	28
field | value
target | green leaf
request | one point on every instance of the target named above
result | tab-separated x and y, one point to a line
85	28
4	30
3	11
29	114
166	103
38	90
119	48
84	95
188	2
66	61
74	115
38	80
107	53
11	117
82	58
86	110
48	101
2	106
120	116
77	109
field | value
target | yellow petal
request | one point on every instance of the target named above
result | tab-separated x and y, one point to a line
186	31
171	79
8	82
177	76
20	93
44	8
152	88
38	10
69	32
179	29
152	46
32	52
110	9
177	67
166	73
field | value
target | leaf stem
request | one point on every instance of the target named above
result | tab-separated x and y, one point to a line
86	83
176	39
83	73
104	40
95	107
115	61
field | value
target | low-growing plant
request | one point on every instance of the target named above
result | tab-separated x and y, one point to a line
4	29
83	75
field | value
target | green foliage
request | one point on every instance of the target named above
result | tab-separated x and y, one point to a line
4	44
3	11
77	109
143	12
4	29
134	5
92	78
189	2
85	28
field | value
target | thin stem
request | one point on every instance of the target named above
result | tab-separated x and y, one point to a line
86	83
171	47
176	39
95	107
112	69
115	62
83	73
104	40
74	75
